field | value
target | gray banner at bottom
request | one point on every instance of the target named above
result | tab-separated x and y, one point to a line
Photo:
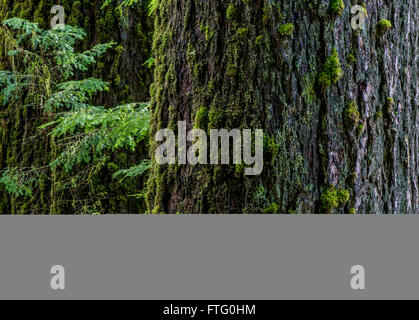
209	257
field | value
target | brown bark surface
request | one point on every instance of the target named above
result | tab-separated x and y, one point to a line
226	64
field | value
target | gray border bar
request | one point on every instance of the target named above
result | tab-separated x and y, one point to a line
209	257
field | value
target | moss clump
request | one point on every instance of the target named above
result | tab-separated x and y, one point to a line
331	72
208	32
242	33
329	200
231	13
215	118
343	197
286	30
333	198
239	170
337	7
352	211
201	118
352	59
270	148
156	210
390	101
360	129
272	209
76	14
389	106
351	115
383	26
259	40
324	81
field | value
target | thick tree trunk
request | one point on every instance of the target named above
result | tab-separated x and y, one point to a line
236	64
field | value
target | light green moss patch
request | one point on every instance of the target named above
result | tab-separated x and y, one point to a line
331	72
286	30
337	7
383	26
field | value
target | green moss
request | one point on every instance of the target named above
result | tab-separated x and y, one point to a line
201	118
215	117
390	101
231	13
333	198
351	115
208	32
242	33
383	26
75	15
337	7
265	16
239	170
343	197
270	148
360	129
331	72
351	59
324	81
352	211
286	30
38	15
231	70
329	200
309	92
259	40
272	209
156	210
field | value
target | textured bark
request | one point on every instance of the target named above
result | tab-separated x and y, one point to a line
228	61
129	82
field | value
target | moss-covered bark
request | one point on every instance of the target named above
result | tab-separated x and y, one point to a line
240	64
131	29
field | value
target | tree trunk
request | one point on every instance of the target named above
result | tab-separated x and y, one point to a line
339	108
